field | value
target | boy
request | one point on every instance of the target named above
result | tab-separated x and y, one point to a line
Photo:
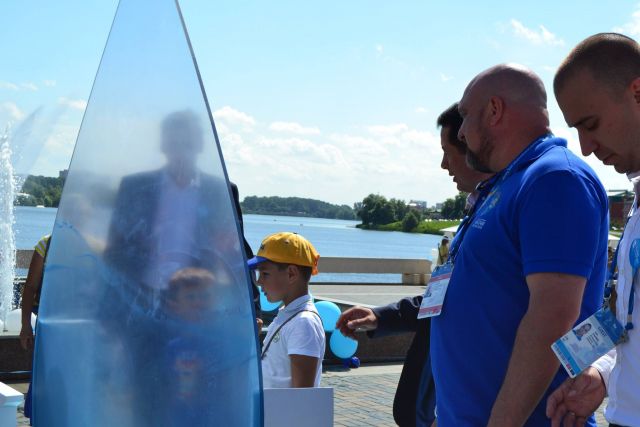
293	349
189	301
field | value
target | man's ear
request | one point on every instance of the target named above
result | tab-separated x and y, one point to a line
635	89
495	109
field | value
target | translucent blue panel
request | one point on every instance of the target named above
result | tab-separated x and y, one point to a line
146	316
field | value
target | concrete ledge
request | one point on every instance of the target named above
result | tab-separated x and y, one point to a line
370	350
373	265
14	361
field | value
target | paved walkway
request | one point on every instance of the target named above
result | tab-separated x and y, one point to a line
362	397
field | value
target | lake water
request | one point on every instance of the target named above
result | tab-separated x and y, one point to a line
331	237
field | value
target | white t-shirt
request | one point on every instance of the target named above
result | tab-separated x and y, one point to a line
303	335
620	368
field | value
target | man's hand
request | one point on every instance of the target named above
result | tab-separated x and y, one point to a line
26	337
354	318
260	323
576	399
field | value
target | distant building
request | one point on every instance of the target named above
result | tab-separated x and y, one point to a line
620	202
439	206
63	174
420	205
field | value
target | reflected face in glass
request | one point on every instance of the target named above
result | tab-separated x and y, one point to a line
182	139
607	120
274	281
191	296
194	302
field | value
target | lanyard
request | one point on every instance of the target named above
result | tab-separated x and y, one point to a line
613	275
486	189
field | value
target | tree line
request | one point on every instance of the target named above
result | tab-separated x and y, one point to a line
41	190
376	211
295	206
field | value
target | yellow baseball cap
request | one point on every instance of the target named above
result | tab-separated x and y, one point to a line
287	248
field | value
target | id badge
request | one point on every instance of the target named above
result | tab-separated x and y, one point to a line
435	292
588	341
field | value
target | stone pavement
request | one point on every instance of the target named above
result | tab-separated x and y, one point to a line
362	397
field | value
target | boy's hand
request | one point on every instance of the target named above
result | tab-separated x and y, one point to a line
354	318
576	399
26	337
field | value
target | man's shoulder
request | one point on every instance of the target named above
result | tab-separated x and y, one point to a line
141	179
562	159
561	162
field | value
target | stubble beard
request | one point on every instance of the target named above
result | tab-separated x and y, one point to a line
479	161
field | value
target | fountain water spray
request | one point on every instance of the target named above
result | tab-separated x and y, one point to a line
7	238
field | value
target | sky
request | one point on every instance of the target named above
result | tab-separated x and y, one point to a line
328	100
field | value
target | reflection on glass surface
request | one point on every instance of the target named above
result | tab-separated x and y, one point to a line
146	316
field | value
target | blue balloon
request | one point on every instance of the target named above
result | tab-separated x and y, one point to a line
329	313
265	304
342	346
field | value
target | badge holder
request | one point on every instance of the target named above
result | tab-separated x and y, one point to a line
435	292
599	333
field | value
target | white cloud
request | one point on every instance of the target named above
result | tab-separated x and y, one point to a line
55	153
293	127
539	37
76	104
22	86
8	85
395	160
12	110
234	117
445	78
29	86
387	130
631	28
379	48
421	110
49	83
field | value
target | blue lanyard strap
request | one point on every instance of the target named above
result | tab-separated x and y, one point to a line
629	324
486	188
613	275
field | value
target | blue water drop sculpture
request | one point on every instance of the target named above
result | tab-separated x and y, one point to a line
146	314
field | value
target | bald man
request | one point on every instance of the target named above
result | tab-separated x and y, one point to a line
598	90
530	265
415	396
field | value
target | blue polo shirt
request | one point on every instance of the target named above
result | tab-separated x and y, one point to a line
549	214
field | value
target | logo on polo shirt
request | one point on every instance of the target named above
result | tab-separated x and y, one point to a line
491	202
